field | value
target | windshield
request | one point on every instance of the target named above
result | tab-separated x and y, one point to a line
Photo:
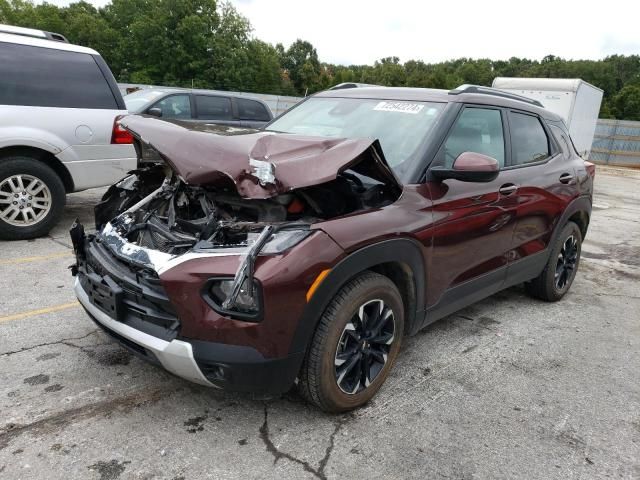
400	126
136	101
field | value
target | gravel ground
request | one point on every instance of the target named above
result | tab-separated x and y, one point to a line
508	388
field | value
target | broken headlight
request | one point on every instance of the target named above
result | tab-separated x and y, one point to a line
246	305
241	296
283	240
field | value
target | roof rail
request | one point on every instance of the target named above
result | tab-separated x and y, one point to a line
32	32
495	92
342	86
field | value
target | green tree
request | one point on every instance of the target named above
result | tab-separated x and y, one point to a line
302	64
168	42
208	44
263	68
388	71
626	104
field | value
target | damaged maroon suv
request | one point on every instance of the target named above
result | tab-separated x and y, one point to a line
253	260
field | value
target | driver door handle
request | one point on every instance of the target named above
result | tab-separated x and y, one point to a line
507	189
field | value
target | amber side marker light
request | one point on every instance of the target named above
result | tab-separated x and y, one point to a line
316	283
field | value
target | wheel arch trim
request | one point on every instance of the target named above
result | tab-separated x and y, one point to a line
44	155
402	250
32	137
580	205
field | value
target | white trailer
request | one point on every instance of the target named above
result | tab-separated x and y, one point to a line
575	100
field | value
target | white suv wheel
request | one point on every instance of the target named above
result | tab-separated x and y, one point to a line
24	200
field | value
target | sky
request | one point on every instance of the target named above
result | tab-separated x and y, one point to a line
361	32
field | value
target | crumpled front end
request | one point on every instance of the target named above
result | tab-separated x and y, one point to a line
207	283
257	164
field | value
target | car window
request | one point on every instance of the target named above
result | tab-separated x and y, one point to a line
252	110
174	106
138	101
562	141
45	77
476	130
402	127
529	142
210	107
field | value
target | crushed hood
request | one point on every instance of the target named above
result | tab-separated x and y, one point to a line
260	164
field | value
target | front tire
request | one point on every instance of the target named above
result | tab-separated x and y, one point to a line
556	279
355	344
32	198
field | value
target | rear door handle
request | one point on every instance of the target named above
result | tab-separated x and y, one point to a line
507	189
566	178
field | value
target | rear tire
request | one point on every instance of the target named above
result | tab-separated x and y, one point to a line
558	275
349	360
32	198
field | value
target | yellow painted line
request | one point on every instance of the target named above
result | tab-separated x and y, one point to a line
39	311
37	258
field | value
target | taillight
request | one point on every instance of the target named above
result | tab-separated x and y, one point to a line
591	169
119	135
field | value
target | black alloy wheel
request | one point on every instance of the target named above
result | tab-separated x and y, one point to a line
355	344
363	348
566	264
561	268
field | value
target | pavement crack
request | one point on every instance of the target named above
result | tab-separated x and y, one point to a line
61	420
64	341
88	350
327	454
278	454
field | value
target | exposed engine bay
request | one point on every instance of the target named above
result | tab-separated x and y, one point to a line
155	209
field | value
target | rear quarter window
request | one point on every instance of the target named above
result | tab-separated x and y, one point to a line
529	142
562	141
252	110
45	77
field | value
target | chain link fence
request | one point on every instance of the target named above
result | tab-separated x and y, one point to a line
616	142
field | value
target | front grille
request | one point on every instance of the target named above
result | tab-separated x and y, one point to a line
151	239
145	305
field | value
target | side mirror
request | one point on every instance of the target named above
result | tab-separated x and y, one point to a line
469	167
155	111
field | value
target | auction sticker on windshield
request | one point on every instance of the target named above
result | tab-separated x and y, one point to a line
402	107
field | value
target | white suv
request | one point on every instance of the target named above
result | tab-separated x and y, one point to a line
59	132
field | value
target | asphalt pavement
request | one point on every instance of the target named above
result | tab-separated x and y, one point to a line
508	388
